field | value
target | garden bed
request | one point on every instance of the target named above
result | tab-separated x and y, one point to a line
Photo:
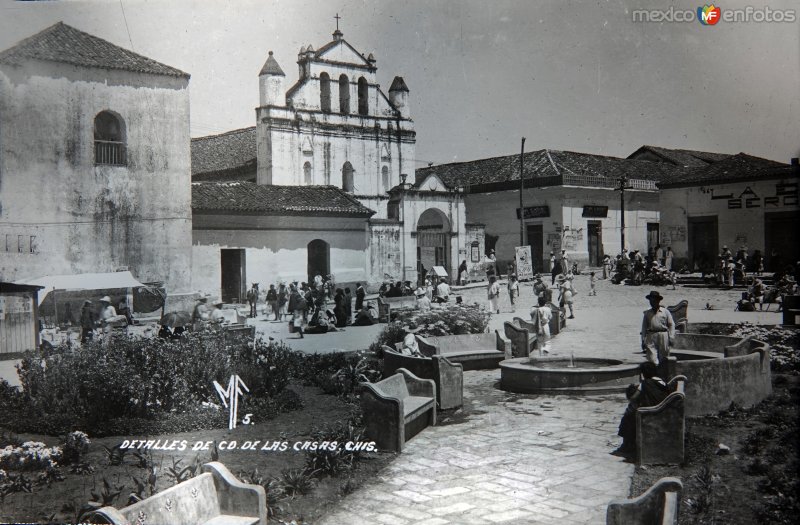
756	480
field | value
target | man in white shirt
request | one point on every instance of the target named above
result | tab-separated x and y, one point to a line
443	292
217	317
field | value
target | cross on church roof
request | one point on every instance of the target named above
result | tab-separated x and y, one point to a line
337	17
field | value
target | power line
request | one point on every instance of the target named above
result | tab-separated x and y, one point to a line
126	24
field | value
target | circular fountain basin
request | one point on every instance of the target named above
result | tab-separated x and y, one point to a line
557	375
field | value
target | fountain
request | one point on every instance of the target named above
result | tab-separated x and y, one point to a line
556	375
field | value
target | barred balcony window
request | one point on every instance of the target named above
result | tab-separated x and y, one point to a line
109	140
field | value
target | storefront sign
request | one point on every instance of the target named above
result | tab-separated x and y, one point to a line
534	212
595	211
786	194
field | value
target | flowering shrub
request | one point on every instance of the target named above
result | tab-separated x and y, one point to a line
76	445
784	344
138	379
31	455
450	320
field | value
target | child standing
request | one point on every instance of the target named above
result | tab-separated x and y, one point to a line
513	287
592	283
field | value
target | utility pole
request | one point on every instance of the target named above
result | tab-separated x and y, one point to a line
623	181
521	187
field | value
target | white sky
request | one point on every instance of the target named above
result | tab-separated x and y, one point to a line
565	74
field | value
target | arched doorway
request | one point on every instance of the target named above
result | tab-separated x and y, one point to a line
319	259
433	241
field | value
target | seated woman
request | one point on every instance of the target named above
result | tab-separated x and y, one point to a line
410	346
651	391
366	316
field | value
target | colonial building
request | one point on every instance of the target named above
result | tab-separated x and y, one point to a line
570	201
739	201
94	161
334	136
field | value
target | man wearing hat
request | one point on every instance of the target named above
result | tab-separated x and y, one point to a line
252	299
88	322
658	330
107	315
217	317
200	312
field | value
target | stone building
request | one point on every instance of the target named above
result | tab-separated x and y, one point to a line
571	201
334	132
739	201
94	161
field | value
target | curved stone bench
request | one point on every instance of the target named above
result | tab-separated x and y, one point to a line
657	506
448	377
523	341
397	408
472	351
214	497
723	369
660	429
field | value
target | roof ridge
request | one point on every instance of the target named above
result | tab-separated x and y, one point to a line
225	133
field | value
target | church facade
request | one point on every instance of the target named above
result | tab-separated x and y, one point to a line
336	130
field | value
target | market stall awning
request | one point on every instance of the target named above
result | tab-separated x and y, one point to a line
83	281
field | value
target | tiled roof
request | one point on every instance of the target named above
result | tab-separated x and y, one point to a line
734	168
398	84
63	43
230	153
684	157
271	67
548	164
259	198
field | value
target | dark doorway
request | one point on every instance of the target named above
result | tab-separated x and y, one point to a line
652	237
536	242
233	275
780	235
595	240
319	259
703	242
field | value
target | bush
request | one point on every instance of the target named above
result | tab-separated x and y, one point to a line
339	373
138	379
784	344
450	320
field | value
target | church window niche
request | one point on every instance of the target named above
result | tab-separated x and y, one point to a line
325	92
109	139
344	95
307	176
347	177
363	96
385	178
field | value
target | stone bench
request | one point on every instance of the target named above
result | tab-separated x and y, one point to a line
448	377
522	337
387	304
680	314
559	319
214	497
472	351
397	408
657	506
660	429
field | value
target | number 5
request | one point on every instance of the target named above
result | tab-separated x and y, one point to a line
246	419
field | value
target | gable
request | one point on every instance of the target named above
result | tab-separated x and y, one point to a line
432	183
342	52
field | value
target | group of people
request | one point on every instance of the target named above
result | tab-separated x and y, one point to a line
107	318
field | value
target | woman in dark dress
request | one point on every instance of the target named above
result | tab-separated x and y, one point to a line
340	309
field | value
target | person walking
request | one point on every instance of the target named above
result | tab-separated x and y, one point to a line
297	304
252	299
564	262
107	318
283	298
541	315
493	294
592	283
658	330
668	258
552	261
462	273
513	288
272	300
348	304
88	322
360	294
565	295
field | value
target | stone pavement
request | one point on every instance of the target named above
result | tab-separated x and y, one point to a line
506	458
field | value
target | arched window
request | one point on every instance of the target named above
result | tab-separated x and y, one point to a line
325	92
109	139
344	95
363	96
347	177
307	177
385	178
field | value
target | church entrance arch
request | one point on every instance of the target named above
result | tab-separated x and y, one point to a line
319	259
433	241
